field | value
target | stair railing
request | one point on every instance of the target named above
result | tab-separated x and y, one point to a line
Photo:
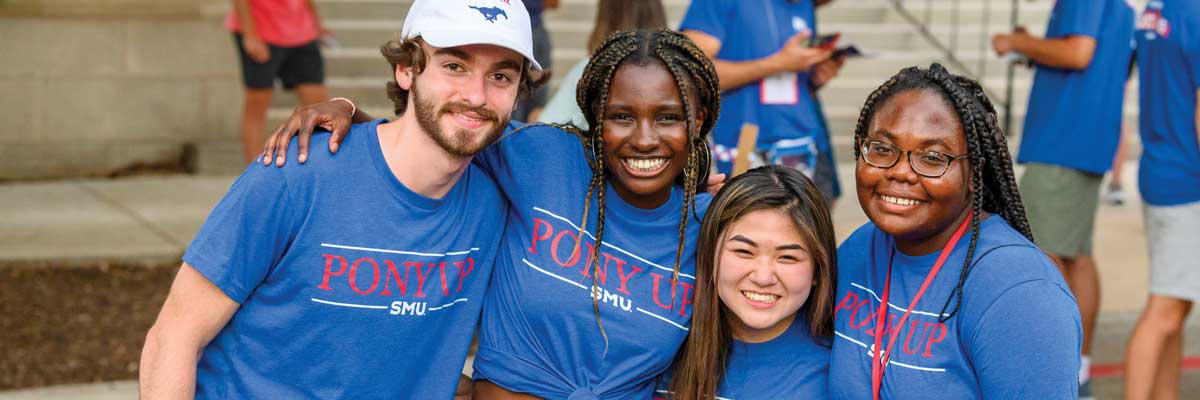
921	17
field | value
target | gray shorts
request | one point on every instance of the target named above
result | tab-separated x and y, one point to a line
1060	204
1172	238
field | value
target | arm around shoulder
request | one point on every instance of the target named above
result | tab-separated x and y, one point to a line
195	310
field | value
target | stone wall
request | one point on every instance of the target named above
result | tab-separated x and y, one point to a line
95	86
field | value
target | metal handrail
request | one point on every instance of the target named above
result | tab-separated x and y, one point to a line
951	50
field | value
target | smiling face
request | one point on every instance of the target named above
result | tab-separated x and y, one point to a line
920	212
645	134
764	274
465	95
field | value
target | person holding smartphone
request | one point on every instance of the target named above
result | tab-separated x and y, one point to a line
770	71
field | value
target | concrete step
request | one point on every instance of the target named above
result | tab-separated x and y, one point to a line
396	9
370	92
975	12
387	10
217	156
858	11
586	10
363	33
889	62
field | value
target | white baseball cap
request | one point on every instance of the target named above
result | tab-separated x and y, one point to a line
450	23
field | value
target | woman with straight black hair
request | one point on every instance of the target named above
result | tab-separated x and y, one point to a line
765	275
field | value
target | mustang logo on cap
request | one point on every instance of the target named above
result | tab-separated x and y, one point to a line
490	13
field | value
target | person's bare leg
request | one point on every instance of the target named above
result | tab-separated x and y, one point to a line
1085	284
1170	368
1144	358
310	93
1084	281
254	115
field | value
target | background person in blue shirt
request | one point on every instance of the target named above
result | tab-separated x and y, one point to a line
1168	35
593	295
764	298
996	321
769	76
528	109
1072	127
281	296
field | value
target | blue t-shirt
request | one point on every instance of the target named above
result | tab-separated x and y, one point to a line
750	30
1016	336
1169	74
539	333
791	366
1074	116
351	285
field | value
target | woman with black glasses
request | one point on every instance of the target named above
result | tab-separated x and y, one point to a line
943	294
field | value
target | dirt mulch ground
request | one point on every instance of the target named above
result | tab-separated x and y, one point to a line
76	324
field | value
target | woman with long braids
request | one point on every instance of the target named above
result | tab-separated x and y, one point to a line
943	294
764	294
592	294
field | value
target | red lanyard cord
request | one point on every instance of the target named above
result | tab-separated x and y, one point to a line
881	356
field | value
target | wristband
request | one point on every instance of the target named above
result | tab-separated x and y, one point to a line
353	108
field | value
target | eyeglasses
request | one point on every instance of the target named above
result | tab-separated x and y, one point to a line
927	163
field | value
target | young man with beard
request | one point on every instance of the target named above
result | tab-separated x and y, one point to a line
360	276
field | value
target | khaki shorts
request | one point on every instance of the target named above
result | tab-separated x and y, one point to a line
1060	204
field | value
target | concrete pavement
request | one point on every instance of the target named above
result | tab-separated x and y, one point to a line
136	220
151	219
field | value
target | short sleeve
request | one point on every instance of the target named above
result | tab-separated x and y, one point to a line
247	233
1025	343
1081	17
708	16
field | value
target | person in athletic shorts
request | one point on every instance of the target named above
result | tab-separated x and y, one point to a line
276	40
1072	128
1169	182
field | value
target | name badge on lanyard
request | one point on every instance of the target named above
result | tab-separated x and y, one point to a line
784	88
780	89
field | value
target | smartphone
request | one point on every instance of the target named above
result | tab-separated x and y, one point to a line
828	41
852	50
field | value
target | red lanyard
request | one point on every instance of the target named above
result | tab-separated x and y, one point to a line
880	358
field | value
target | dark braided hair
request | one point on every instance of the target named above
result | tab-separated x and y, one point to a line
992	181
696	79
